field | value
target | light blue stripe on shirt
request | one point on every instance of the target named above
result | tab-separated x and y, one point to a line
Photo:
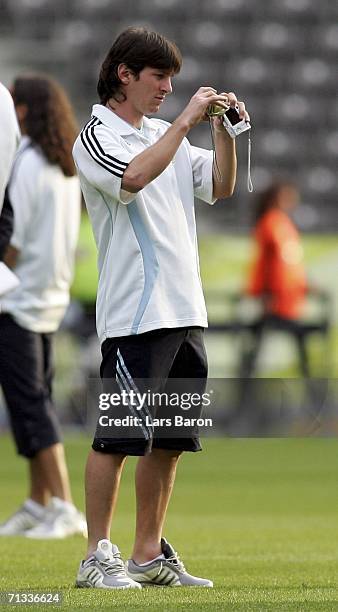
150	263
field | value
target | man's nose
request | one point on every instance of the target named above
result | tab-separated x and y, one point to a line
166	85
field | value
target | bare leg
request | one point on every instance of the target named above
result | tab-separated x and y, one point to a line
103	475
51	464
39	491
155	477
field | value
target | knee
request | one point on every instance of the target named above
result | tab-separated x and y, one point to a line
172	454
97	458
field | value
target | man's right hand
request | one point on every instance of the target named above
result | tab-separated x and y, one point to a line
195	111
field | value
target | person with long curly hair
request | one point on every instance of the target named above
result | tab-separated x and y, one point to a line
45	194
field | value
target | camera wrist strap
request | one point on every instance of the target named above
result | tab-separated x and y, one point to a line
249	180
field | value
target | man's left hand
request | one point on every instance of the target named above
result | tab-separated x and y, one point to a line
232	102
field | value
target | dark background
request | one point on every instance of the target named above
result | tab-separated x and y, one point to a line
280	56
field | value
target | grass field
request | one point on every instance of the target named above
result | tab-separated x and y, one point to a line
259	517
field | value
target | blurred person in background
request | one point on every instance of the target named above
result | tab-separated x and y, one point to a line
139	176
277	275
45	195
9	141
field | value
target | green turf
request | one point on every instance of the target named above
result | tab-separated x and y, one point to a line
259	517
225	258
85	279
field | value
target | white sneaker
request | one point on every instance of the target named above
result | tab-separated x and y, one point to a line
62	519
29	515
104	570
167	570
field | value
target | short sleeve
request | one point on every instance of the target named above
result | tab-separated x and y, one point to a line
22	194
102	160
9	138
202	162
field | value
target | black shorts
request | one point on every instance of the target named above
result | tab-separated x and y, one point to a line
159	358
26	373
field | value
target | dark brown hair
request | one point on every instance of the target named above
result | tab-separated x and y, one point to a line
138	48
50	121
267	199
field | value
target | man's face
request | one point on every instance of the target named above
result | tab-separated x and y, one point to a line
147	91
288	198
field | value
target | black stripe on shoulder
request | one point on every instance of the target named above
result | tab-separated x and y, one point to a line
96	156
89	141
114	159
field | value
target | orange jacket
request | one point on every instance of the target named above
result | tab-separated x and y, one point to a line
278	272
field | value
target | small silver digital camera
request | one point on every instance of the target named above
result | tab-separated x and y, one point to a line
231	120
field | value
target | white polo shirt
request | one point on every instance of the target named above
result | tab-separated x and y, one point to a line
46	208
9	138
147	248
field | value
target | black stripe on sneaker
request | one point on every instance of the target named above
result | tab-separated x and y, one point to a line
91	573
93	147
164	578
172	581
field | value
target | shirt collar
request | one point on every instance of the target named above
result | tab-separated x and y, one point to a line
112	120
24	143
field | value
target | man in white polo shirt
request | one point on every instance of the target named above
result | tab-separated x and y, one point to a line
139	177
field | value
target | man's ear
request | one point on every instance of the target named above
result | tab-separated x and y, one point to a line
124	74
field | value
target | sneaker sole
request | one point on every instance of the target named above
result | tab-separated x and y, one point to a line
62	536
172	586
13	535
88	585
152	585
